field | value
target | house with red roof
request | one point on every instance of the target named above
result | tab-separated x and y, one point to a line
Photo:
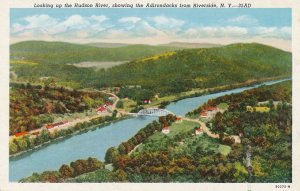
107	104
178	120
212	109
101	109
57	125
209	113
199	131
204	114
20	134
35	133
111	97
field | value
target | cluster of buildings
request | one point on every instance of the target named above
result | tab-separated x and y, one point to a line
166	129
147	101
20	134
209	113
48	127
58	125
103	108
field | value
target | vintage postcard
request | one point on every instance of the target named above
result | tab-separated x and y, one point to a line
131	95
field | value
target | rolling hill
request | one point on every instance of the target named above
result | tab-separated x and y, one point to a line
159	69
201	68
62	52
191	45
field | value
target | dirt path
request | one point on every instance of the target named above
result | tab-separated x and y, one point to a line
236	138
204	127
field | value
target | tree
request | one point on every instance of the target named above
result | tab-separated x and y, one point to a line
45	135
122	149
120	104
114	114
66	171
240	172
13	148
94	164
22	144
111	154
120	176
121	162
258	170
79	167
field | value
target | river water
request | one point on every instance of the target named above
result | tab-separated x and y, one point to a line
95	143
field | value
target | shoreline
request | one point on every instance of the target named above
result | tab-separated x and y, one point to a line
227	88
93	127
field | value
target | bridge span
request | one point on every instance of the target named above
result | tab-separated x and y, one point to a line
152	111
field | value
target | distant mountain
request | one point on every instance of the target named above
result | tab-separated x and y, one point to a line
181	45
107	45
62	52
191	45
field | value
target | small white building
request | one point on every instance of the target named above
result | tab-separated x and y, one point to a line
199	131
165	130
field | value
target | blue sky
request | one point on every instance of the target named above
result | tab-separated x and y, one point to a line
152	26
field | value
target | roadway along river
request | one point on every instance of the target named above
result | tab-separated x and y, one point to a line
95	143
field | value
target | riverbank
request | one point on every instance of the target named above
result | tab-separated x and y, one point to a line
56	140
163	101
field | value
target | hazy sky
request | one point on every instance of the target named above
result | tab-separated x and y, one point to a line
153	26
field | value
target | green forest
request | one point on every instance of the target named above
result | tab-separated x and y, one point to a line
32	106
162	70
61	52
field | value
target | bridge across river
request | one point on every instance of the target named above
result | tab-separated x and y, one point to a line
152	111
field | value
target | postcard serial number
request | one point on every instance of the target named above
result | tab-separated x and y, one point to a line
282	186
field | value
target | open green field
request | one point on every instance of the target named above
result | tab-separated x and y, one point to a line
190	143
184	126
222	106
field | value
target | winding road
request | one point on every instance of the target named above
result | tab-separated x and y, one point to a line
236	138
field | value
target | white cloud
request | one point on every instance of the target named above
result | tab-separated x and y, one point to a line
129	19
231	31
34	22
166	22
274	32
236	31
158	27
75	21
72	26
98	18
244	20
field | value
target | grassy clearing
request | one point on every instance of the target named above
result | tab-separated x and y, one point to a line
160	141
128	104
23	62
175	129
207	143
224	149
223	106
